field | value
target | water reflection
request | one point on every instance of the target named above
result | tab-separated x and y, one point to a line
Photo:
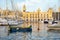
41	34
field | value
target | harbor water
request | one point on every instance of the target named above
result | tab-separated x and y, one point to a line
41	34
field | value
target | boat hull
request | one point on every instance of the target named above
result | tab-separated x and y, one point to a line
13	30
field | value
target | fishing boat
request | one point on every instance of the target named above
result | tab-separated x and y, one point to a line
14	29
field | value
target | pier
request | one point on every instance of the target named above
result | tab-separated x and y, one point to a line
54	27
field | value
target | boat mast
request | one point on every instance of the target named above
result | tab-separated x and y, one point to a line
14	8
6	4
6	9
12	4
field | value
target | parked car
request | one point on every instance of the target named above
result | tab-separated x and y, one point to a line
54	22
46	21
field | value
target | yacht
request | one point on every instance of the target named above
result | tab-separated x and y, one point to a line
12	22
3	22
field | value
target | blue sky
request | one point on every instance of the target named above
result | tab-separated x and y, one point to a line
32	5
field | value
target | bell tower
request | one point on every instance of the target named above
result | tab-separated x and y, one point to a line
50	10
38	10
24	8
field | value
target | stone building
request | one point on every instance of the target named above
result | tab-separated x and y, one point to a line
37	16
56	15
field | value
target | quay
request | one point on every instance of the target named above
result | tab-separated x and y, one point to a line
54	27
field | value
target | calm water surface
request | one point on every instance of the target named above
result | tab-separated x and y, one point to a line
41	34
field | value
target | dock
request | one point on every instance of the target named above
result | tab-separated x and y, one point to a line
54	27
